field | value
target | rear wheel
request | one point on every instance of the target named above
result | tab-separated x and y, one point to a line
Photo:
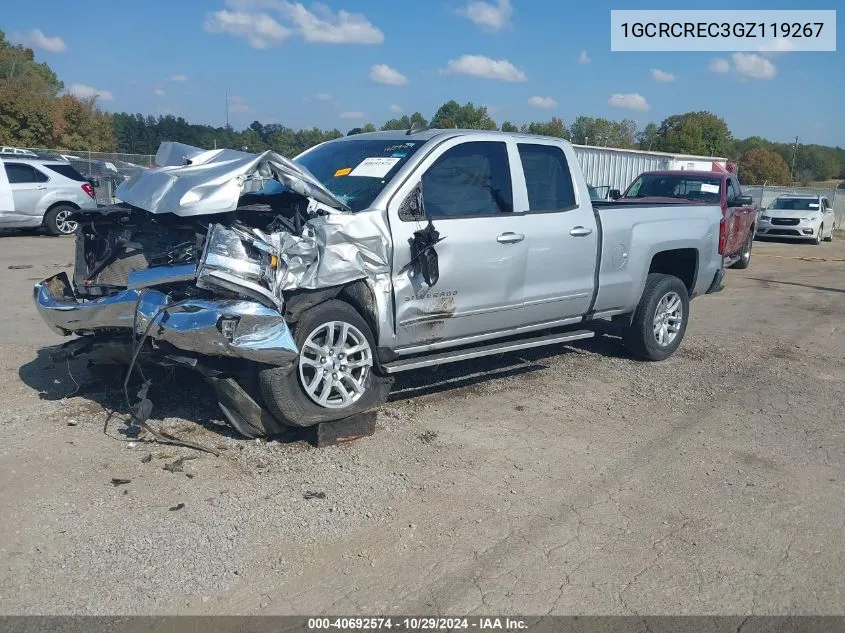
333	376
57	220
745	256
660	321
829	238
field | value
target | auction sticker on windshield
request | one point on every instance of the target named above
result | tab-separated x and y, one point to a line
375	167
706	187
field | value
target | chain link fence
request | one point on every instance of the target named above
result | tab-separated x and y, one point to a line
105	169
764	195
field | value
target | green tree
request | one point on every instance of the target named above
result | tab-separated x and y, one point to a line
555	127
507	126
761	166
700	133
406	122
648	138
598	131
468	117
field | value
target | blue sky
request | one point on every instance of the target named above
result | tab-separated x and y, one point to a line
347	62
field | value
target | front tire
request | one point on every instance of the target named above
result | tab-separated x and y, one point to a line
57	221
745	257
660	321
334	374
818	239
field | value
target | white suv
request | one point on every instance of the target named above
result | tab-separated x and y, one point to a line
36	192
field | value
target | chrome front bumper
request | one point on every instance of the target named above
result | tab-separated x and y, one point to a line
227	328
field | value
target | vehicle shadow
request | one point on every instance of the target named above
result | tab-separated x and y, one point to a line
476	373
178	393
184	395
794	283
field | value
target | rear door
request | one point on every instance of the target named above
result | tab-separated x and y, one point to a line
468	194
28	185
561	232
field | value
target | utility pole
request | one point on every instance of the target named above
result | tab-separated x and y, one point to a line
586	140
227	110
794	150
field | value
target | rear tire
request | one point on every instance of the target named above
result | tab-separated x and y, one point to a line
829	238
745	257
343	370
660	320
56	220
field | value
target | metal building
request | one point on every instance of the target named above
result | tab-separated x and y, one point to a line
616	168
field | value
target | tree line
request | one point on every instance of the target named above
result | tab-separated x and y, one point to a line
34	112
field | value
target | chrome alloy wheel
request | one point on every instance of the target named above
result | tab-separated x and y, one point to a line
334	364
65	226
668	318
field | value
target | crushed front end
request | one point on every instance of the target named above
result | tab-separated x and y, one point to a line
193	268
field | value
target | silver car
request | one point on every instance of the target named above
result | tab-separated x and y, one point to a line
39	192
798	217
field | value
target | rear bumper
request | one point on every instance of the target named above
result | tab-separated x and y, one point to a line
226	328
718	283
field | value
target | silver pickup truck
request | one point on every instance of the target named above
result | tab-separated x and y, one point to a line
298	288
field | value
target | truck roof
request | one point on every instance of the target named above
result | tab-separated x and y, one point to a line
428	134
688	172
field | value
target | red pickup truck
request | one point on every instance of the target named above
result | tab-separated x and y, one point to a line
739	213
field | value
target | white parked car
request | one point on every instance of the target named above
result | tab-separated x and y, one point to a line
798	217
18	151
36	192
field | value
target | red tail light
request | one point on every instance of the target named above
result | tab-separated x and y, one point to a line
723	236
87	188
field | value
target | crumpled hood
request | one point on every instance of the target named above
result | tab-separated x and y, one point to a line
193	181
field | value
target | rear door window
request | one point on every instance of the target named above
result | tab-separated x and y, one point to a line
547	177
68	171
19	173
469	180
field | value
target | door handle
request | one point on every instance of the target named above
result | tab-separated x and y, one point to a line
510	238
580	231
41	187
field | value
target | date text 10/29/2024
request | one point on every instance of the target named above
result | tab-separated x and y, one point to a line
418	624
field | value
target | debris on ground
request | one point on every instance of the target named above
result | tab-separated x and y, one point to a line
178	506
20	266
427	436
147	458
119	482
178	465
310	494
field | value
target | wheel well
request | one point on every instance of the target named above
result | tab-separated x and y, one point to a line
357	294
680	262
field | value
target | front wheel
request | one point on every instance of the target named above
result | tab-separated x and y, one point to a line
660	321
333	376
818	239
745	257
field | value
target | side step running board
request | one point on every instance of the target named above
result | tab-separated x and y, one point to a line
453	356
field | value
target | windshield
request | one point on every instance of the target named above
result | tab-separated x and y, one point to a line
796	204
685	187
356	171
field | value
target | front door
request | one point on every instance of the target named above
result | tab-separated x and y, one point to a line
468	195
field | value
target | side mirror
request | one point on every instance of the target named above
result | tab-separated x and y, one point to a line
94	182
430	267
615	194
741	201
